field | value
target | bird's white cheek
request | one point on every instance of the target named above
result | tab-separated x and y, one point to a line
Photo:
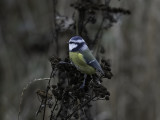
72	46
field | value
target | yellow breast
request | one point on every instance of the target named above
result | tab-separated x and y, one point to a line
79	62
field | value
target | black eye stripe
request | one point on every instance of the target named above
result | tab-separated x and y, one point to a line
76	42
72	42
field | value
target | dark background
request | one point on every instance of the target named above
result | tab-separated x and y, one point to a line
132	45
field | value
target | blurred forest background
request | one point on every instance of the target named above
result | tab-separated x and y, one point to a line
132	45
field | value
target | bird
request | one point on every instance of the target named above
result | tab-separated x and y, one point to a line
83	59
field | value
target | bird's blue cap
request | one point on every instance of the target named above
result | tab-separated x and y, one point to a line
76	38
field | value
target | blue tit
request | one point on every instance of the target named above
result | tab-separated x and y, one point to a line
82	57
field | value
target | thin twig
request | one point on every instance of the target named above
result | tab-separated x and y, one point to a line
39	110
78	108
81	21
53	109
55	26
48	87
97	36
77	27
59	112
99	30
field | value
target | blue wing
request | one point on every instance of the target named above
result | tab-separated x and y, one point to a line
91	60
94	63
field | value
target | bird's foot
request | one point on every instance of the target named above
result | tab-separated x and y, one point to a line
84	81
82	86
